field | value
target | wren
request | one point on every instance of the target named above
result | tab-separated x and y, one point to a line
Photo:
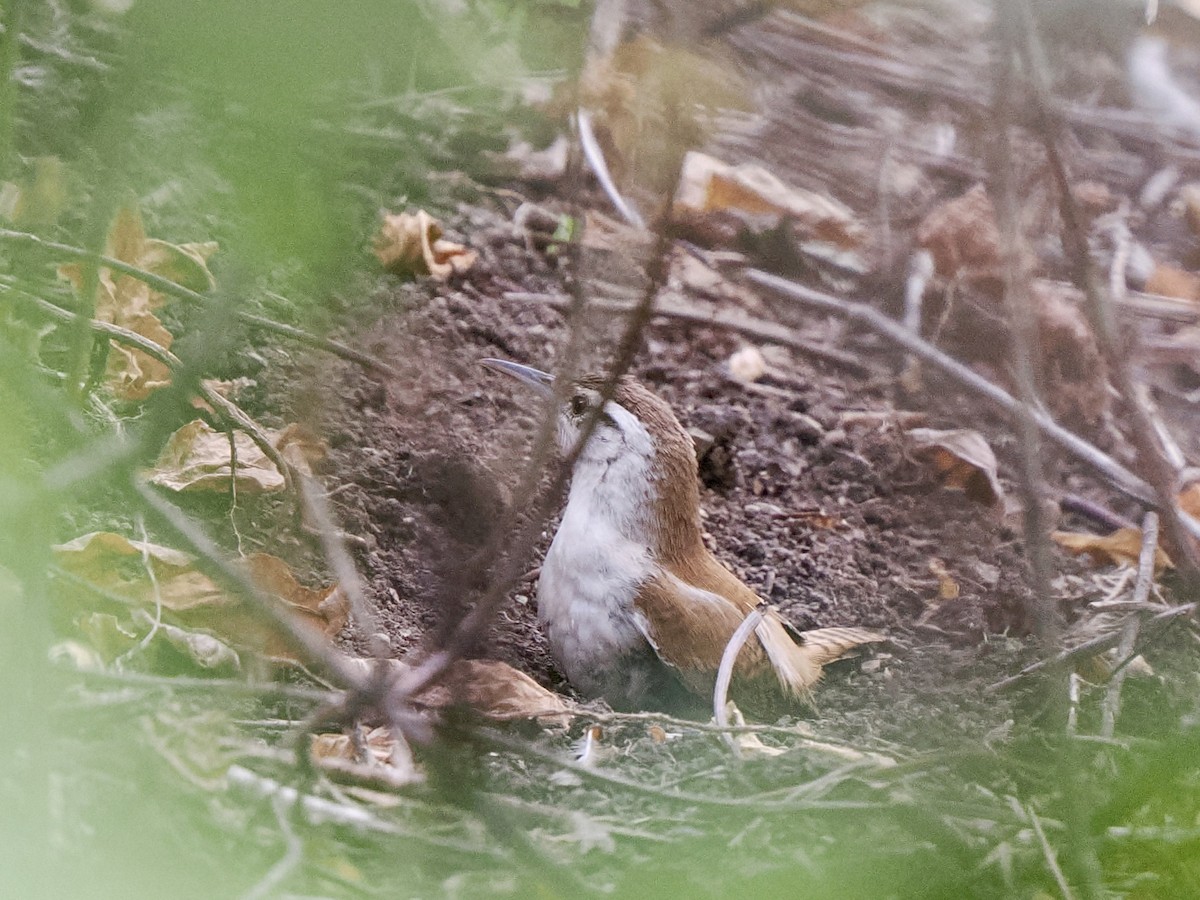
633	604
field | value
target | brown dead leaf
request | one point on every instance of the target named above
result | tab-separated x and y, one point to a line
197	458
963	459
710	190
1121	547
962	237
1172	282
497	690
408	244
125	301
492	688
301	447
1189	499
112	571
380	745
948	588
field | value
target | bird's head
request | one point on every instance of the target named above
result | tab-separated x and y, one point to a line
635	431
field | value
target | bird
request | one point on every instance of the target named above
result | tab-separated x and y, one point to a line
636	609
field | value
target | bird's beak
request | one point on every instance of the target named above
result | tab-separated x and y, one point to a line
539	381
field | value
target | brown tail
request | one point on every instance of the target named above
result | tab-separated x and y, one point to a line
824	645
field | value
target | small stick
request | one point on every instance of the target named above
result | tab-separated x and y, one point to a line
759	329
1129	632
725	674
222	406
166	286
1090	648
893	331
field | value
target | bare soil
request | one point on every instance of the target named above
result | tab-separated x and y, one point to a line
810	492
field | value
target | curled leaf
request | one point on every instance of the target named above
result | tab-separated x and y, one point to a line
408	244
1121	547
130	303
963	459
759	200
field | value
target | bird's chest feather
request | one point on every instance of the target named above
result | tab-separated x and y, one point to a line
598	559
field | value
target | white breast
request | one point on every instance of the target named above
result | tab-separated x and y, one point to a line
599	557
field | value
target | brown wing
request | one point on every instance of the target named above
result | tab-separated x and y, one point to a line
692	610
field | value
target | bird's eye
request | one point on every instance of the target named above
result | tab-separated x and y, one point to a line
579	405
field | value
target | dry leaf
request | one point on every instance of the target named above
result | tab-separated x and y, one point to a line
125	301
490	687
301	447
948	588
962	237
964	460
112	568
1189	499
1122	547
1172	282
709	188
378	742
408	244
197	458
497	690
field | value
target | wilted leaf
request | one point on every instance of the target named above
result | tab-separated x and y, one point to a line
490	687
1172	282
132	578
1189	499
125	301
758	200
300	446
203	649
388	759
1121	547
948	588
408	244
197	458
497	690
962	237
963	459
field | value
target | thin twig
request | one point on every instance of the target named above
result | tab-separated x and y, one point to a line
893	331
1023	330
759	329
1090	648
1111	707
166	286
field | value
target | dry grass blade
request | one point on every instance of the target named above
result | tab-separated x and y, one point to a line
186	294
1129	632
